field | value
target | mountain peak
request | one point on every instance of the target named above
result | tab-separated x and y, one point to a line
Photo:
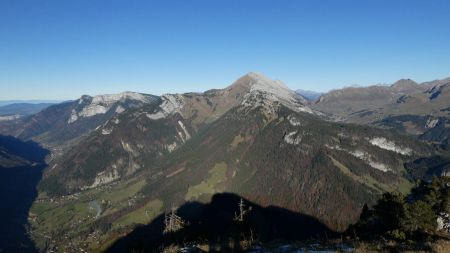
257	81
404	85
256	76
261	90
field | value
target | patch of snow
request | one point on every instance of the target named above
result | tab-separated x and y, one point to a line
431	123
291	138
383	143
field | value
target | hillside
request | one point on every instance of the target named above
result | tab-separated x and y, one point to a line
60	126
255	138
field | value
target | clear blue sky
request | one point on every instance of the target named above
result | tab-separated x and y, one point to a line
63	49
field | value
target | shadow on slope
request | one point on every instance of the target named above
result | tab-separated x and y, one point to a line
215	224
28	150
17	193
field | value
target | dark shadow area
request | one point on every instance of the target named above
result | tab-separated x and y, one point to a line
428	167
18	191
215	224
28	150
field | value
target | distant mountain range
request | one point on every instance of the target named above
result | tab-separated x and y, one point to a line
9	102
17	110
369	104
124	159
419	109
310	95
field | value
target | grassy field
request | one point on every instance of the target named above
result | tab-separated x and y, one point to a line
73	216
117	198
216	175
59	218
142	215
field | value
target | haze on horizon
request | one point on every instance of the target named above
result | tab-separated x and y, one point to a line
60	50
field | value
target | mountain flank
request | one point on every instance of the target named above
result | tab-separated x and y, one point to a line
123	160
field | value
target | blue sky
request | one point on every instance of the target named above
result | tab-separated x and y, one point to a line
63	49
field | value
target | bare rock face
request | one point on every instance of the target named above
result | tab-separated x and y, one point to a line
101	104
266	92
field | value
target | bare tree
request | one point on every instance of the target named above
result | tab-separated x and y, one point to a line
173	222
242	211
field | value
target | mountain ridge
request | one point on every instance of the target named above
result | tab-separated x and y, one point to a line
255	138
